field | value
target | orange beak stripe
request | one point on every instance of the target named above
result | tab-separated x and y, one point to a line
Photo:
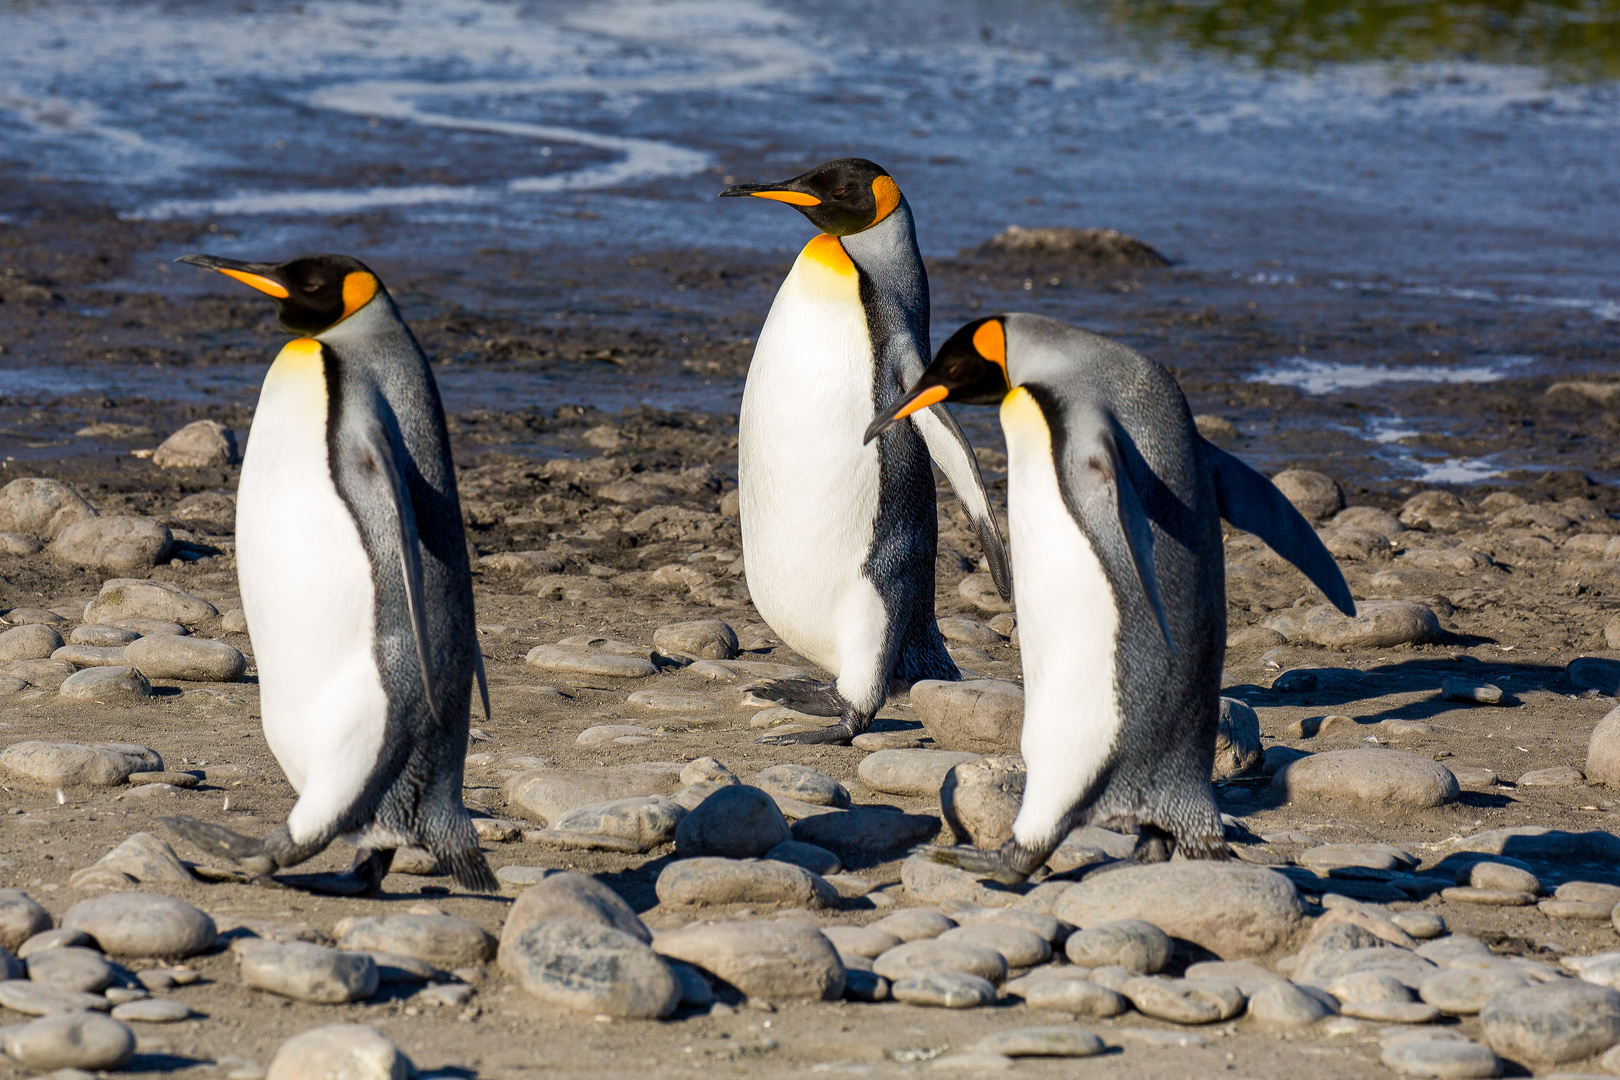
793	198
931	396
991	341
257	281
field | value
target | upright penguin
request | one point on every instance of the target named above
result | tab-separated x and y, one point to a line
839	537
1114	504
354	576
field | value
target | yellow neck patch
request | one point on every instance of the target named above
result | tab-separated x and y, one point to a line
359	288
825	250
887	194
1021	415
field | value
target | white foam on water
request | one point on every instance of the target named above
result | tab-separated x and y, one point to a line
1457	471
1328	377
1602	307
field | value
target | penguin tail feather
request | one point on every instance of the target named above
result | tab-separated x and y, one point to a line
470	869
802	695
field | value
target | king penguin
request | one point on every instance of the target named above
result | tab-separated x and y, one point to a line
1114	504
353	568
839	537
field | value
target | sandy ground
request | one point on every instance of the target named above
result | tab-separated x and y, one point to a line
1516	620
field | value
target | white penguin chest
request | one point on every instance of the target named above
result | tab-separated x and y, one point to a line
809	488
1068	626
306	590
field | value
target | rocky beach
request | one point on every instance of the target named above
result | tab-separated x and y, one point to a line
1391	291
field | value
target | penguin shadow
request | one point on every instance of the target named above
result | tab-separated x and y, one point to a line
159	1061
1329	686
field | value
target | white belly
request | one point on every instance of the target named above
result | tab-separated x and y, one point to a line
306	590
1068	623
808	488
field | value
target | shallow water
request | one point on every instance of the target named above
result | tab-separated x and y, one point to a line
1300	172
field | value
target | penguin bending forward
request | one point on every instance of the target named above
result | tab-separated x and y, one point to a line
1114	504
839	537
354	576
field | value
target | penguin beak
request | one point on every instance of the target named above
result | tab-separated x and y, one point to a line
919	398
257	275
776	192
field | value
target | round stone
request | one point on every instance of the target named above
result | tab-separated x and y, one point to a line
1391	1012
736	822
591	968
645	820
71	968
1552	1023
1314	494
574	661
736	881
20	918
704	639
1377	624
306	972
944	990
601	734
1019	947
1231	909
116	683
122	599
1077	996
802	783
43	999
1603	750
185	659
68	764
981	716
775	961
865	830
1282	1006
41	507
151	1011
1495	875
1132	944
1462	992
979	800
566	894
1448	1059
866	941
914	924
1183	1001
142	924
910	772
115	544
342	1052
53	939
1389	778
930	955
1419	924
33	641
201	444
441	940
75	1040
1363	987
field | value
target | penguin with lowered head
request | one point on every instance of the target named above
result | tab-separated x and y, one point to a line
355	582
1114	503
839	537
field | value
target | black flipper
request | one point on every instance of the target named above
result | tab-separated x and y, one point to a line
246	851
949	448
483	680
1102	473
1252	503
376	457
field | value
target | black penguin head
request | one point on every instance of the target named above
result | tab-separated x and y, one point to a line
841	197
312	294
970	367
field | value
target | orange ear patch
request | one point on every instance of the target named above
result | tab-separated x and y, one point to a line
991	341
792	198
359	288
887	194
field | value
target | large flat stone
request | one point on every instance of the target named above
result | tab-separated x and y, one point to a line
1231	909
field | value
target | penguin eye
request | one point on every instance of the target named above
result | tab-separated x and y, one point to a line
839	193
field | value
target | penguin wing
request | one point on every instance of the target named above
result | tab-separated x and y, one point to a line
949	448
483	680
1252	503
1094	471
375	452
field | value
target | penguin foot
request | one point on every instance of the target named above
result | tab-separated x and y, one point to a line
802	695
837	735
989	864
248	852
364	878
